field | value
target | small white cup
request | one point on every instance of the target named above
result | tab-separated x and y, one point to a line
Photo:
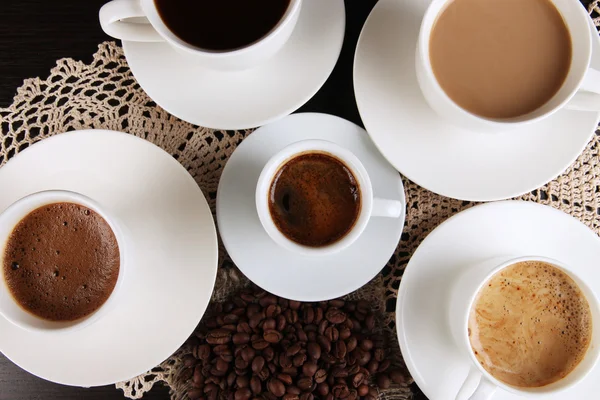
370	206
579	90
464	294
114	15
9	308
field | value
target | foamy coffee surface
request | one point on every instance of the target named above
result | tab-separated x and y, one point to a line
530	325
61	262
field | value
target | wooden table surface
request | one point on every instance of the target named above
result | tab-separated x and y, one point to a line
33	35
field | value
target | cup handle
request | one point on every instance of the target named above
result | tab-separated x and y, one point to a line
484	390
111	19
587	97
386	208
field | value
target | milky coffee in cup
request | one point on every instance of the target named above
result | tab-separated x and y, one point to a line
501	59
530	325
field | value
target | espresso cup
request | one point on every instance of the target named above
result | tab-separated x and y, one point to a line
9	308
370	206
464	295
579	90
114	18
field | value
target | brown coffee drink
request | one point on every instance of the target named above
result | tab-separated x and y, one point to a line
530	325
314	199
503	59
221	25
61	262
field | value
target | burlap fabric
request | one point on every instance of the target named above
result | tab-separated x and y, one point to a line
105	95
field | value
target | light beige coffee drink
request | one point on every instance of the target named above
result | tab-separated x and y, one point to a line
530	325
500	59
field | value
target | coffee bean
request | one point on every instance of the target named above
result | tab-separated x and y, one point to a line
339	372
324	343
299	360
285	361
289	396
231	378
256	319
248	354
319	315
260	344
366	344
273	310
240	363
362	357
328	358
335	315
339	350
189	360
294	305
305	383
358	380
309	314
268	324
323	327
383	366
340	391
291	371
332	334
257	364
345	333
363	390
267	300
397	377
268	354
293	349
243	394
272	336
302	336
291	316
320	375
353	395
314	350
285	378
203	352
255	385
281	322
293	390
354	369
309	369
373	366
329	397
264	374
307	396
276	387
383	381
272	368
218	336
323	389
338	303
311	337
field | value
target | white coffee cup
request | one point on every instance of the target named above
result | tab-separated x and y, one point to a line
579	90
114	18
464	294
370	206
9	308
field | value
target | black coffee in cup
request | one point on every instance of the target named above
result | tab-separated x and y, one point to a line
314	199
221	25
61	262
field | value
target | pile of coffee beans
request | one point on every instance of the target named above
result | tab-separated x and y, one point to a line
259	346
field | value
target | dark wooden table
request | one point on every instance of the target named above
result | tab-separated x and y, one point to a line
33	35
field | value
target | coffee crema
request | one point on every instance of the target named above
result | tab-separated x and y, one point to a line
314	199
221	25
61	262
530	325
503	59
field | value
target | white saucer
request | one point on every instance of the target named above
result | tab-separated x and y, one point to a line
472	236
429	151
245	99
169	278
281	271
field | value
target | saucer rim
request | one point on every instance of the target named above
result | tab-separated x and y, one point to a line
401	193
213	262
148	88
482	197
